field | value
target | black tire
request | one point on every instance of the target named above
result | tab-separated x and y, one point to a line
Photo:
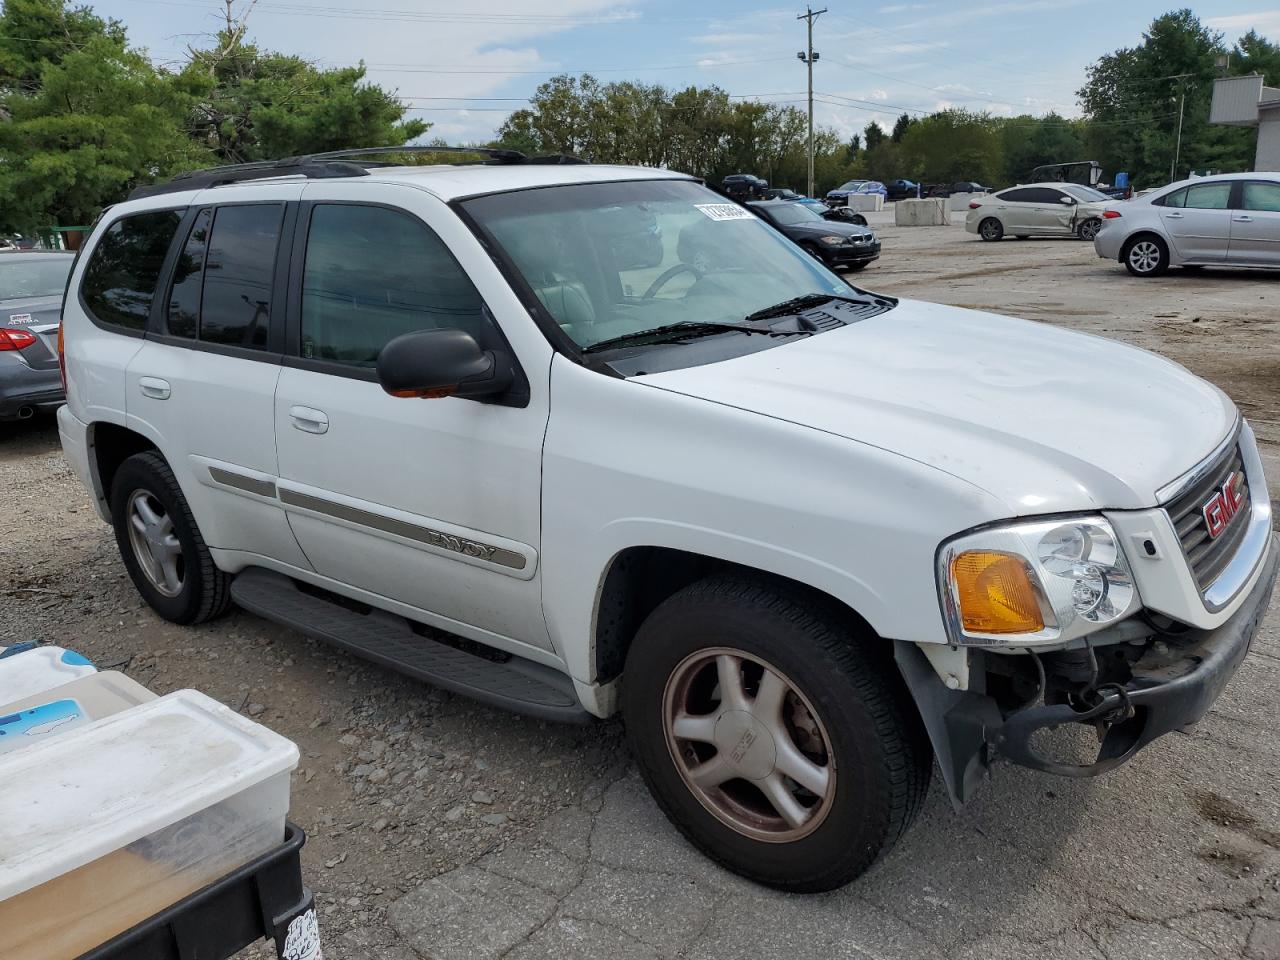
881	755
205	591
859	219
1088	229
991	229
1145	255
813	250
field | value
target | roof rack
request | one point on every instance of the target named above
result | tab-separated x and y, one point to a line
331	163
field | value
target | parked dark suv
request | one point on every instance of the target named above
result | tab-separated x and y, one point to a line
744	186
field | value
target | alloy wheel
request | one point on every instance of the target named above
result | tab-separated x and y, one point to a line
155	543
991	230
749	745
1144	256
1089	229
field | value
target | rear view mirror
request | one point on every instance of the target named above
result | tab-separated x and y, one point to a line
442	363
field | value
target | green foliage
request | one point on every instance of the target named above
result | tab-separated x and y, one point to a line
1026	142
102	121
951	145
39	33
1131	99
259	105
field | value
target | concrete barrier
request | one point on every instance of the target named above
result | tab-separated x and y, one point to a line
865	202
934	212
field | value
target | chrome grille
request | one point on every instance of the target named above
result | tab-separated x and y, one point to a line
1208	556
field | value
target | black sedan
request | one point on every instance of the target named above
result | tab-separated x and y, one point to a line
842	246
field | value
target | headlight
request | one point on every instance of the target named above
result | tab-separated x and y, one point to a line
1040	582
832	241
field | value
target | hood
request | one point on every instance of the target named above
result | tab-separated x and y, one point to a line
1044	419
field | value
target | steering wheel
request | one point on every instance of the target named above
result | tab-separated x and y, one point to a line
667	276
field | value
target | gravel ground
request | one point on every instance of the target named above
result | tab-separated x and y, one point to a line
438	828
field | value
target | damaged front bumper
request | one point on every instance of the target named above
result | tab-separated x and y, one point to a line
1173	685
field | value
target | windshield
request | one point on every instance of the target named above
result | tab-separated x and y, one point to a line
1081	192
791	213
611	259
851	185
22	278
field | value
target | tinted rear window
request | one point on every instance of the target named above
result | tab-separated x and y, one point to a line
121	275
238	274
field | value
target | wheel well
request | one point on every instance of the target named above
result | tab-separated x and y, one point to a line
112	445
640	578
1130	240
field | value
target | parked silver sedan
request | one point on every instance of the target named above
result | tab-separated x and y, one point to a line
31	289
1038	210
1231	220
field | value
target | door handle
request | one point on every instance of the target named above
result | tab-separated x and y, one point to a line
154	387
309	419
1174	216
1242	219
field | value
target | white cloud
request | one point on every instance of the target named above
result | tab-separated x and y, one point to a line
905	7
878	94
1266	22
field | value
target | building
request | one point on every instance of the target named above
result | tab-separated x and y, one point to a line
1246	102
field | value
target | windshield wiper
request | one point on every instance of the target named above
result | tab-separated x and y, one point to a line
672	332
795	305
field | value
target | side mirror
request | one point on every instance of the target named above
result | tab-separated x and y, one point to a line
1069	201
442	363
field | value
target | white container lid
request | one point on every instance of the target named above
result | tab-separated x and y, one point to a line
57	712
35	671
76	798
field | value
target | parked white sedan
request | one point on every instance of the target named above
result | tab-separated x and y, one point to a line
1228	220
1038	209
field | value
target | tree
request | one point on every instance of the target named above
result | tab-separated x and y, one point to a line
1254	53
900	127
102	121
260	105
873	136
952	145
1132	99
1027	142
35	34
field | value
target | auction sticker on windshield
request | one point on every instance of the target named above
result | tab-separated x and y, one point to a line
725	211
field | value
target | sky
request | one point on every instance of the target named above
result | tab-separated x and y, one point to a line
463	68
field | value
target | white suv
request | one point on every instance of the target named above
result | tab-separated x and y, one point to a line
582	439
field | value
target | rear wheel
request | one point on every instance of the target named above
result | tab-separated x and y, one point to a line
161	545
779	743
991	229
1089	229
1146	256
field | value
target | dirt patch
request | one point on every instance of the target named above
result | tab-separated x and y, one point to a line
1223	812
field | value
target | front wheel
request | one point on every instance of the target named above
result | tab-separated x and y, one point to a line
776	740
1146	256
161	545
991	229
1089	229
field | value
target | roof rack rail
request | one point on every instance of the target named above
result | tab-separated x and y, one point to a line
331	163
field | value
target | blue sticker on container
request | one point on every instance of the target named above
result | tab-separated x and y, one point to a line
19	729
76	659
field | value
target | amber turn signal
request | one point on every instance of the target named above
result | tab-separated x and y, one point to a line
995	593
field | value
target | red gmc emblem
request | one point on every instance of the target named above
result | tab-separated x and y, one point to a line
1224	504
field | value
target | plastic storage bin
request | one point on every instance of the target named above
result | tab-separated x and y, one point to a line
110	826
68	707
32	672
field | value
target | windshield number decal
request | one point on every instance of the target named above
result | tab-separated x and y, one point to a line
724	211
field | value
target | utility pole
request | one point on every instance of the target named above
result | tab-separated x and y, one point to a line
808	59
1177	144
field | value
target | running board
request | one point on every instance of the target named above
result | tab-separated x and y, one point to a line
516	684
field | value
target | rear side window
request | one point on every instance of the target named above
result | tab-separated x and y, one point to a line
1200	196
188	279
1261	195
239	269
373	274
1019	195
120	278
